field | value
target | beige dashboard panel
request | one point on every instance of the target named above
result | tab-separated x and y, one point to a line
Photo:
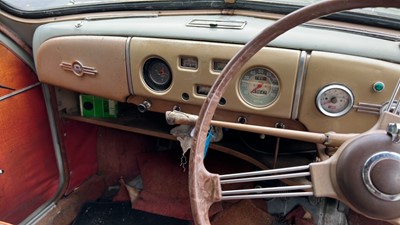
100	65
282	62
358	74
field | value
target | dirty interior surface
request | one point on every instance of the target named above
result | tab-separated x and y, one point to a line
154	168
120	213
84	98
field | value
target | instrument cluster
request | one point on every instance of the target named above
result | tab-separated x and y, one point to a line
183	72
258	87
322	96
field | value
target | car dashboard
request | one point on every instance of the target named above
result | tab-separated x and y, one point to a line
316	77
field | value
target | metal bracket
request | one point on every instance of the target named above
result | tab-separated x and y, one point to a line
393	129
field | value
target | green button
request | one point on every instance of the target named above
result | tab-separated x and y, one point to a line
379	86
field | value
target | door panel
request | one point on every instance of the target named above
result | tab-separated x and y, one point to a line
27	156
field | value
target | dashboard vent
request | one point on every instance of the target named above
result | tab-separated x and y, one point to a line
223	24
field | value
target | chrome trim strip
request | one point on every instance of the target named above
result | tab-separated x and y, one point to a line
264	190
264	178
368	111
124	16
17	92
264	172
278	195
301	74
366	174
128	64
48	206
368	108
38	214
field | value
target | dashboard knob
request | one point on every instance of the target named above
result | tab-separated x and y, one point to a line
143	107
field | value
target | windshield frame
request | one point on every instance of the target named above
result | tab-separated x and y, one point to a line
115	7
259	6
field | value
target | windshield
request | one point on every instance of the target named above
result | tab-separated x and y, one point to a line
38	5
43	5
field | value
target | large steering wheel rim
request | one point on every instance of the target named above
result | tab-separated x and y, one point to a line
200	180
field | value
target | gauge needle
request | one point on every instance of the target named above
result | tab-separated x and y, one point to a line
259	85
162	71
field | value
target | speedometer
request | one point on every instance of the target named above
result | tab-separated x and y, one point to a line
259	87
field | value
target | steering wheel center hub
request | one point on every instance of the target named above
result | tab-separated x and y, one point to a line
381	175
368	172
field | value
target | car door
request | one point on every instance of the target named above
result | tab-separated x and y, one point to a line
29	172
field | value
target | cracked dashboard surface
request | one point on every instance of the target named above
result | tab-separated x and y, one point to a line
314	82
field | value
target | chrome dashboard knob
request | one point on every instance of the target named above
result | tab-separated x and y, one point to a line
143	107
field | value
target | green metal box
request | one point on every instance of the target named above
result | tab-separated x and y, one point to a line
97	107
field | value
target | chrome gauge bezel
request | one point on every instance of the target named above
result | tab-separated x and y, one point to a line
330	87
254	100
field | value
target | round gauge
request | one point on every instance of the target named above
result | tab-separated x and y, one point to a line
259	87
157	74
334	100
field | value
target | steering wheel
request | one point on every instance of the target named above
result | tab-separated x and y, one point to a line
364	173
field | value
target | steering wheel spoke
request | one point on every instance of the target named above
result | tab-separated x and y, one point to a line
269	192
351	175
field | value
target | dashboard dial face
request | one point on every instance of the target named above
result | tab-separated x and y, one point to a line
157	74
334	100
259	87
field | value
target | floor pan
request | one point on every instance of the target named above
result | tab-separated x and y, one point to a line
117	213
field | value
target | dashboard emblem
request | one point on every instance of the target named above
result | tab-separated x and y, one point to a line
78	68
